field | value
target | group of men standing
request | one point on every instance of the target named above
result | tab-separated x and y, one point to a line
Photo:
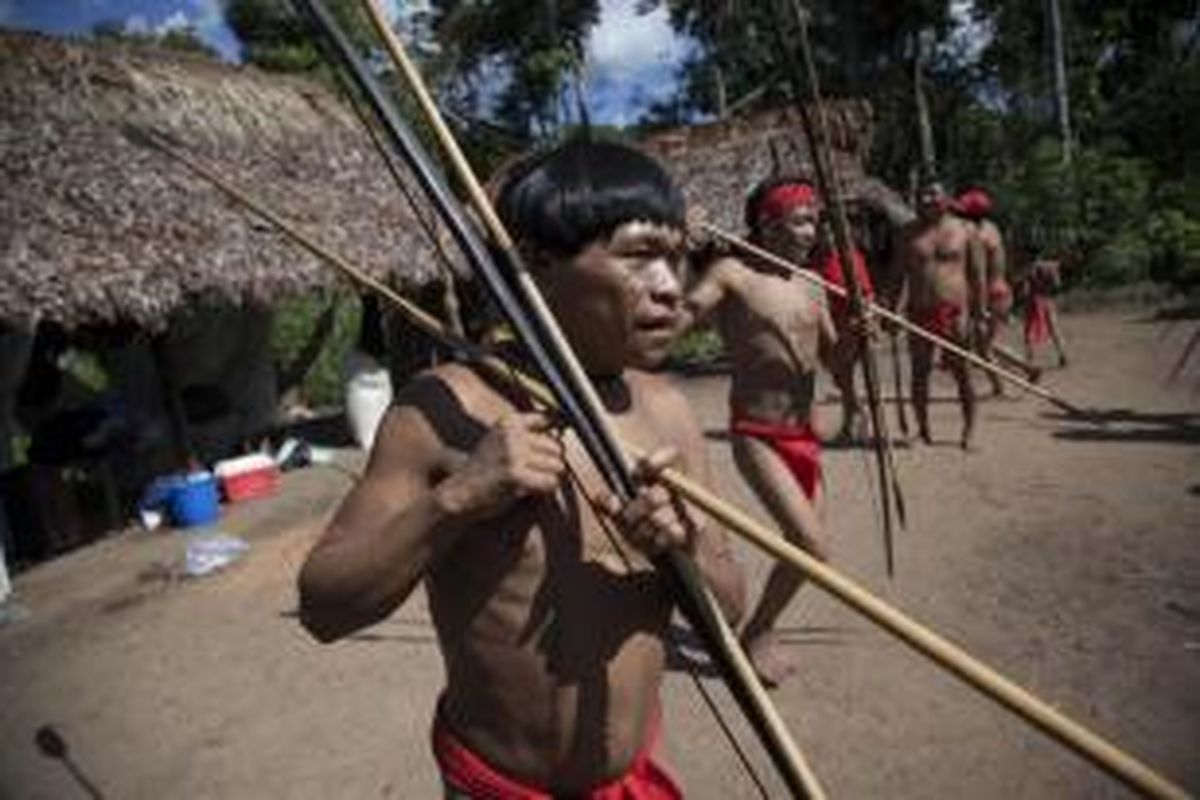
949	274
550	616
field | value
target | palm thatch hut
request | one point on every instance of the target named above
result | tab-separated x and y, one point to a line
98	232
718	164
96	229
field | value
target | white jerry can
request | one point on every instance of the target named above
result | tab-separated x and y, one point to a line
368	395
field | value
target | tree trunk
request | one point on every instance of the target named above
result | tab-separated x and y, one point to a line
1061	97
924	127
720	100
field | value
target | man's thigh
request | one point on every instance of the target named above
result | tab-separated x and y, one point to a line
778	489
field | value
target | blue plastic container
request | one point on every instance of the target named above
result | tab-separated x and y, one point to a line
193	500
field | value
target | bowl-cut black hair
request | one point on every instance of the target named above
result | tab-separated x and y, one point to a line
579	192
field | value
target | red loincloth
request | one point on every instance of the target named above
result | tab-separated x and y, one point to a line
466	772
831	270
799	448
941	319
1037	320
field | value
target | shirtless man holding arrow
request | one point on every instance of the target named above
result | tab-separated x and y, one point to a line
778	332
549	615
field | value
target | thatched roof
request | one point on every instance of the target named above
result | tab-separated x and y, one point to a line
719	163
94	228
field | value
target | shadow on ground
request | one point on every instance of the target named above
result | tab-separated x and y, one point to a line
1126	425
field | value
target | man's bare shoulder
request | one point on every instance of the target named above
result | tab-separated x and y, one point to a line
443	408
727	270
955	226
989	232
430	391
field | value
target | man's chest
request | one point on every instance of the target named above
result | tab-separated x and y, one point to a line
769	301
940	247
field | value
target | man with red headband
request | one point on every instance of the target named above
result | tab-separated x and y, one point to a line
975	206
940	280
777	330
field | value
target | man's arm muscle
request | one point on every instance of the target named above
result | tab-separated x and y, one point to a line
387	533
706	295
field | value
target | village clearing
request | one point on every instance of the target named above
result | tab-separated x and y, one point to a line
1062	553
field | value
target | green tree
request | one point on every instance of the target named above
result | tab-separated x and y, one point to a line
515	57
185	39
274	37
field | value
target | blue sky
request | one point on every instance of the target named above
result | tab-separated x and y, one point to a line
632	58
142	16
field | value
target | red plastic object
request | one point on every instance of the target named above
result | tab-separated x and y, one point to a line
249	485
248	477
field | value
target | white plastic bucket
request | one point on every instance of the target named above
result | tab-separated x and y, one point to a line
368	395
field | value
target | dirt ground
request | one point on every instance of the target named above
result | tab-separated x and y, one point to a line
1064	554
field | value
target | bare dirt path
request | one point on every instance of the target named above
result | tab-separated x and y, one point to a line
1064	554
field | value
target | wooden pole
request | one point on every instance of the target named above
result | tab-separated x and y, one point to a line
941	651
816	130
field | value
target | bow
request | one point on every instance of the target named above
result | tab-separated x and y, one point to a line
816	134
524	308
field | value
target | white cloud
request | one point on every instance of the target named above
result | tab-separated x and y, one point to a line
632	61
625	45
176	22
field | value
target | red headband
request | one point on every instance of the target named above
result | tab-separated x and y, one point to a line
975	203
783	198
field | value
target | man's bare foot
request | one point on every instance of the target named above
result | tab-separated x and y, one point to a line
770	662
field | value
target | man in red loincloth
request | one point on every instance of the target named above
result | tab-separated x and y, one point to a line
939	281
549	614
777	331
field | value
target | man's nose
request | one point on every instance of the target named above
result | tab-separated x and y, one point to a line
661	279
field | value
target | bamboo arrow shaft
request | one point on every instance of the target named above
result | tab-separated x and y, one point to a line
926	642
975	673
